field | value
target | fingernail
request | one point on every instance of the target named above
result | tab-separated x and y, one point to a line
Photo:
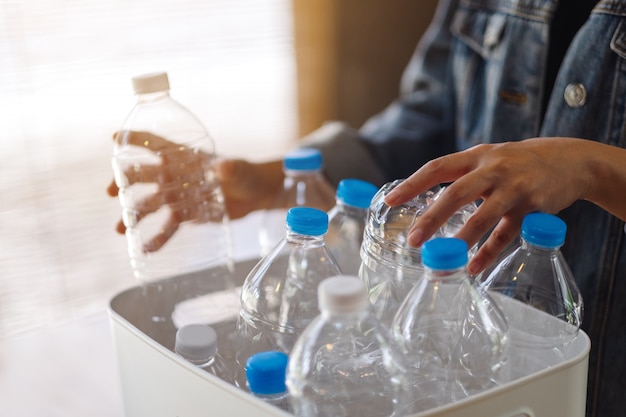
416	237
475	267
390	198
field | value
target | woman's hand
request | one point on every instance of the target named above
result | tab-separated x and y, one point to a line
184	182
512	179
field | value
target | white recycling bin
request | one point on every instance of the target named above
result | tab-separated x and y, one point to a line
156	382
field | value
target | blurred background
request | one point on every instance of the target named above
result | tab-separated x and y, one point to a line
258	73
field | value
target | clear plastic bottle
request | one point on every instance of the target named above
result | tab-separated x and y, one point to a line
266	373
454	338
279	295
197	343
346	222
304	186
172	202
534	287
389	266
346	362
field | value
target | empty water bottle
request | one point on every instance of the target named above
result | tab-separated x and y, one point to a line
172	202
304	186
453	337
346	362
535	289
346	222
279	295
197	343
390	267
266	373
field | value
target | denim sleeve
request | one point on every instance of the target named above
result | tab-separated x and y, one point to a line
413	129
418	125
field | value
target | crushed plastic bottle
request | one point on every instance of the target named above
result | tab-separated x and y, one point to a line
390	267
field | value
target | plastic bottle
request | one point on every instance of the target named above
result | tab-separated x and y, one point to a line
279	295
454	338
266	372
390	267
163	162
303	186
197	343
535	289
346	363
346	223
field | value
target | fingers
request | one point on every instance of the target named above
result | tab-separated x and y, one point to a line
120	227
441	170
148	205
464	191
167	231
142	174
112	189
503	234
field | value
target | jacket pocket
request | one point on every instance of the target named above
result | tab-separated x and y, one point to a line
480	30
618	42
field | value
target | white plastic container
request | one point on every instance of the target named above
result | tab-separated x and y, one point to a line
156	382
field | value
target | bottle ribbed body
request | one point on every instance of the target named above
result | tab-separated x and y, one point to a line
172	202
536	290
279	295
454	338
346	363
191	198
390	266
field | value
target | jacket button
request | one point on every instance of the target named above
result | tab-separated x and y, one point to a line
575	95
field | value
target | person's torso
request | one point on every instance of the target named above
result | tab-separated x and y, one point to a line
497	68
498	59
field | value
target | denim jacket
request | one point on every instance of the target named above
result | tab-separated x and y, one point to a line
477	77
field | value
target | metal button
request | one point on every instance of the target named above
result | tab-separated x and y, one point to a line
575	95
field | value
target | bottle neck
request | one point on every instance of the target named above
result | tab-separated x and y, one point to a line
350	316
202	363
153	97
351	210
299	174
447	275
305	240
529	247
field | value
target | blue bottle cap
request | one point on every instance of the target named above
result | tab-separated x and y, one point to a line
307	221
543	229
266	372
444	253
356	193
304	159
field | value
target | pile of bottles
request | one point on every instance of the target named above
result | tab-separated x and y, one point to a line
410	330
340	316
377	343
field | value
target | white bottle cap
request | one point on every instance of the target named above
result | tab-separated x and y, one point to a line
342	294
151	83
196	342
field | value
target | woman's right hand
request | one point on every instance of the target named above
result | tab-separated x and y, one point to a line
246	186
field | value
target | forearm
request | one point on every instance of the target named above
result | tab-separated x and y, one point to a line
607	167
